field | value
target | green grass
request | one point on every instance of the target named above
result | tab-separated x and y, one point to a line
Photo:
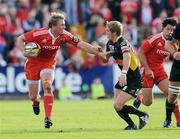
86	119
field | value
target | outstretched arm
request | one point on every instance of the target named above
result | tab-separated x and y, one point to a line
89	48
105	56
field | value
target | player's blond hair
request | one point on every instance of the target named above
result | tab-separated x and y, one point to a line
115	27
55	17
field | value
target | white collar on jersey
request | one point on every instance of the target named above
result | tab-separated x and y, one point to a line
53	37
163	36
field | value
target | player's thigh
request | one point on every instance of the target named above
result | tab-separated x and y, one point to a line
121	98
147	96
47	75
163	86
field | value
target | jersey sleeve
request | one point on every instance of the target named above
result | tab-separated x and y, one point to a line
146	46
125	46
29	36
71	39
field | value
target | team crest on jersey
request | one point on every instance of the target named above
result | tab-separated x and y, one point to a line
62	40
75	39
160	44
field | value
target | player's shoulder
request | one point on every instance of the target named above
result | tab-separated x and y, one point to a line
122	41
154	37
67	33
40	31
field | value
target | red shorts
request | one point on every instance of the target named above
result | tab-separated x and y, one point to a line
159	75
33	69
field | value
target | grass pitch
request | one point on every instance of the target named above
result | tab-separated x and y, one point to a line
88	119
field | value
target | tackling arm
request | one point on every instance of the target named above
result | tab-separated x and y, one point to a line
89	48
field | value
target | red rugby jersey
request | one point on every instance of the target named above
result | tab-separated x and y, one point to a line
48	43
156	54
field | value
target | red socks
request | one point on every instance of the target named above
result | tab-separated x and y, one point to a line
177	112
48	103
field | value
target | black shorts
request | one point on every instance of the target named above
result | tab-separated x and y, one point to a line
175	72
133	86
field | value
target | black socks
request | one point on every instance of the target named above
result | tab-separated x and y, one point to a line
169	109
123	113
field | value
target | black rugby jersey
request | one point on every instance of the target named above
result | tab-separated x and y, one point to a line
118	48
176	36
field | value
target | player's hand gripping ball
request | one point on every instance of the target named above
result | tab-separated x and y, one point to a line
33	49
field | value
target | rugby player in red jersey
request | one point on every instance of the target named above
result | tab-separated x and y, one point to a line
41	68
152	55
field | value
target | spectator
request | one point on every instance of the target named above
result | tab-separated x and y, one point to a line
97	89
65	91
31	22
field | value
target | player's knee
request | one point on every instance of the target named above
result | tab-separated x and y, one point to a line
117	106
172	98
147	103
47	86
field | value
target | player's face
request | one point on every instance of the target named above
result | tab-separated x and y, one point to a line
168	30
60	26
109	34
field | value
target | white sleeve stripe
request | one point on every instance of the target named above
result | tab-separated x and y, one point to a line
124	47
125	50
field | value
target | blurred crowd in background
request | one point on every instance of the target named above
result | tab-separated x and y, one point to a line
84	18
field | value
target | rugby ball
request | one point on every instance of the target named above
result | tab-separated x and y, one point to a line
34	49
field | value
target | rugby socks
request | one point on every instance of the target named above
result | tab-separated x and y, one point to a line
169	109
135	111
123	113
176	112
48	103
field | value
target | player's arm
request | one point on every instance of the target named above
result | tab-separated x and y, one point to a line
126	64
89	48
172	48
105	56
143	60
126	61
20	43
97	50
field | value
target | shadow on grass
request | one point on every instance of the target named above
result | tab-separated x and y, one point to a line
79	130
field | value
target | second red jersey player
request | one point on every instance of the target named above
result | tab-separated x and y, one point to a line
152	55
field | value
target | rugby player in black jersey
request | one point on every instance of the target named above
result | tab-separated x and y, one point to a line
130	81
173	46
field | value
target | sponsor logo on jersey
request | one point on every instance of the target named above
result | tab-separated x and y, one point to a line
159	44
161	52
51	47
